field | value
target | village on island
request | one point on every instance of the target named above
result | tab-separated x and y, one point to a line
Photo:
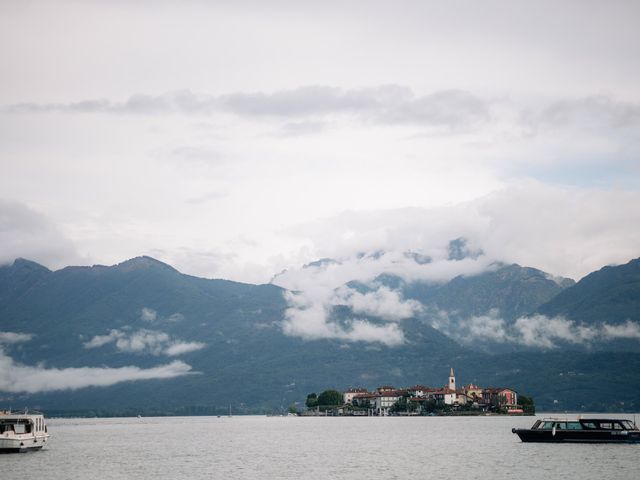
420	400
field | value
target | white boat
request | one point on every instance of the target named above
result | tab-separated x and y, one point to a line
20	432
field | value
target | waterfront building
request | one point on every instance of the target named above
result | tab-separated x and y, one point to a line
352	392
500	396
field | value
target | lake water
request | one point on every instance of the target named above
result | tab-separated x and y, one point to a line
255	447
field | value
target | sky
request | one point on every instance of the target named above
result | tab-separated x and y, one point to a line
240	139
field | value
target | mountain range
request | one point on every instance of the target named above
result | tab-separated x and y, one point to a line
141	337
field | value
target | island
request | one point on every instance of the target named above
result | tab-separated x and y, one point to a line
420	400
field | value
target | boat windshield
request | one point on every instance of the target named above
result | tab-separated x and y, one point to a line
628	424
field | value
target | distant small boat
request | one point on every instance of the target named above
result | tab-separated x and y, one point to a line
20	432
581	430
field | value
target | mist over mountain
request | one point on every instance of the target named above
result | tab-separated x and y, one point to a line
142	335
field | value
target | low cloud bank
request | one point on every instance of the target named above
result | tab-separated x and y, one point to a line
12	337
16	378
144	341
537	331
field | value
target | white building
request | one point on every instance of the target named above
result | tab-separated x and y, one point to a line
347	396
450	396
382	402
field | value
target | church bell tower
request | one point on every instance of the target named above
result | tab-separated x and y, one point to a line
452	380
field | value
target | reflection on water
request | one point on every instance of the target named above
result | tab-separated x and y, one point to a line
290	447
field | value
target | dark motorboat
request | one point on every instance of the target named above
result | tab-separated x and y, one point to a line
582	430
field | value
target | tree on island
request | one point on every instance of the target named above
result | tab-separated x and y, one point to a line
528	406
312	400
403	404
329	398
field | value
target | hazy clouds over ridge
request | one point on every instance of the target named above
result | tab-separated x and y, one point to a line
16	377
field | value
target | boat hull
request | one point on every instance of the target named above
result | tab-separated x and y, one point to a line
21	444
577	436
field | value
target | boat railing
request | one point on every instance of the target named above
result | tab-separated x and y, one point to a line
25	411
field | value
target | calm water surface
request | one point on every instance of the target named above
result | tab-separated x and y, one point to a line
327	448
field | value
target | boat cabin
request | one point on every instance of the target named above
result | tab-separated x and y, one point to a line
584	424
15	425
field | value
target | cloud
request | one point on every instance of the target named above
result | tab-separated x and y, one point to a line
383	303
15	377
144	341
100	340
148	315
179	348
566	231
175	317
27	233
315	290
487	327
542	331
536	331
450	108
390	104
12	337
385	104
308	318
629	329
305	101
593	112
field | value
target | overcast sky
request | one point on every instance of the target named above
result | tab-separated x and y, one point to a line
236	139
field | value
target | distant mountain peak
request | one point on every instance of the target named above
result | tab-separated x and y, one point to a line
320	263
30	264
143	262
459	250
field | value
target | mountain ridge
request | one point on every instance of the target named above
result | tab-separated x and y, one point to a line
148	315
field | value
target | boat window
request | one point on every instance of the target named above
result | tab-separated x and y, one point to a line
617	426
606	426
561	426
547	426
627	424
589	425
537	425
574	426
